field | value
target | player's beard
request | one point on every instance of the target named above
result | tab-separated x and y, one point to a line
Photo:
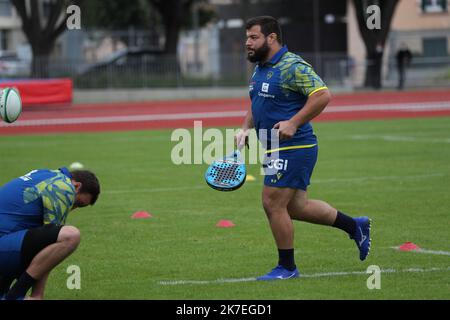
75	205
78	204
259	54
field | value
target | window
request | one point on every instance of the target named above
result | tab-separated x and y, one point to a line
434	6
435	47
5	8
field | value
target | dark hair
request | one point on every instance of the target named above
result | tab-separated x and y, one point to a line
89	183
268	25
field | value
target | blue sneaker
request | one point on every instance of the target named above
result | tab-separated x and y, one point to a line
280	273
362	236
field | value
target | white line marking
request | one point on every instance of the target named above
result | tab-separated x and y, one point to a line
399	138
312	275
151	190
133	118
415	107
361	179
439	252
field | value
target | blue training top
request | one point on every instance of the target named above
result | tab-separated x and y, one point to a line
278	90
37	198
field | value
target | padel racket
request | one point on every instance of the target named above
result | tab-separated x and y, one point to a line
227	174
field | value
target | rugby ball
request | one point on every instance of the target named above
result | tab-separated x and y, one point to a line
10	104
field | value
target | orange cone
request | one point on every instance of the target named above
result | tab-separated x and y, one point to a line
408	246
225	224
141	215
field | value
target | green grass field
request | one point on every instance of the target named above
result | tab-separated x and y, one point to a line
395	171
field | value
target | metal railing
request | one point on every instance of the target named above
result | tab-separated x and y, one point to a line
225	70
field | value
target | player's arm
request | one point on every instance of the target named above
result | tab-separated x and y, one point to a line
313	107
309	84
248	120
242	135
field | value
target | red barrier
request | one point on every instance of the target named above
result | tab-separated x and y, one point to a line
42	92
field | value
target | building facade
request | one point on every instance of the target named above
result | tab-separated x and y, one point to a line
423	26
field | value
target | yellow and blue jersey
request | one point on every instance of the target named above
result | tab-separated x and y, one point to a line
37	198
278	89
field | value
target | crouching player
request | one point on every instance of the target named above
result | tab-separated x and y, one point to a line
33	238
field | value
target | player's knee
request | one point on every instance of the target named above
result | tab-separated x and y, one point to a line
297	207
70	236
271	206
267	204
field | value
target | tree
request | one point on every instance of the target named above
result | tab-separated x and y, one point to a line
42	31
119	18
374	39
172	13
176	14
117	14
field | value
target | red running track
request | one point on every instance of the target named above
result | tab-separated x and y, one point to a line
217	112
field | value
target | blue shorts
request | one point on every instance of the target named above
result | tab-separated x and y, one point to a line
290	168
10	253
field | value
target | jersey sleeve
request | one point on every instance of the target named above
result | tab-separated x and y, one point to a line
58	197
305	80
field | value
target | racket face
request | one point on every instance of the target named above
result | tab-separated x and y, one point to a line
226	175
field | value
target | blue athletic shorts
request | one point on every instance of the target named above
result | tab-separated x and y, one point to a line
10	253
290	168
